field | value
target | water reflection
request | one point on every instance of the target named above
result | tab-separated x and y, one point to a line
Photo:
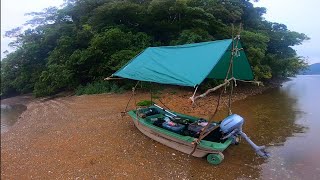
270	117
274	119
10	115
299	158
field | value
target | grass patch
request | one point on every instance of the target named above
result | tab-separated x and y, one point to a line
145	103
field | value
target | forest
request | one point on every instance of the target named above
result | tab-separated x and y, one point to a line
82	42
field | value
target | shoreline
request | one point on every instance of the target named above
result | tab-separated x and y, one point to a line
85	136
176	99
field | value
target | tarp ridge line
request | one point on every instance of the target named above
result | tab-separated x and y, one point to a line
192	44
218	60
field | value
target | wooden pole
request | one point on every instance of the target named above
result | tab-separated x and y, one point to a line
203	133
111	78
211	90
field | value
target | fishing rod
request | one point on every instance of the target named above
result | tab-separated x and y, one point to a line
167	111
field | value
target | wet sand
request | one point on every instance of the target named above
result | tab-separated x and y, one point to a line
86	137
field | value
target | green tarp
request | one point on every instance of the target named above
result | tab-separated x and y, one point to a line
186	65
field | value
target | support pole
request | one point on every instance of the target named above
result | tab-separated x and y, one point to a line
234	51
133	93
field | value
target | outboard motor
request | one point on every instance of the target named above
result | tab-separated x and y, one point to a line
232	127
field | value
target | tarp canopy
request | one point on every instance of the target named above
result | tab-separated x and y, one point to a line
186	65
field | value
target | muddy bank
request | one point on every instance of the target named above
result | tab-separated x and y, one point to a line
23	100
85	137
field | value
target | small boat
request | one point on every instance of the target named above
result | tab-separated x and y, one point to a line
189	65
177	139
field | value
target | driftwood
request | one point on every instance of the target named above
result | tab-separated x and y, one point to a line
211	90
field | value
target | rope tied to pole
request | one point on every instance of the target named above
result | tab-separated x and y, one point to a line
204	132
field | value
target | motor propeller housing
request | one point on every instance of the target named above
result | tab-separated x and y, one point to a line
231	126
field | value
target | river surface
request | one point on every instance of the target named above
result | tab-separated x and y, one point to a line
10	115
287	121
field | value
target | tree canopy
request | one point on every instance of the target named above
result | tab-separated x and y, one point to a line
87	40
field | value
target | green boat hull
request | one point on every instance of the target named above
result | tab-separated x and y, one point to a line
177	141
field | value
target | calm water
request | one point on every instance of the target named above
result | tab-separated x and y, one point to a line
10	115
297	155
287	121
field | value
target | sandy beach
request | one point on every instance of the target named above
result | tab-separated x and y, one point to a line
85	137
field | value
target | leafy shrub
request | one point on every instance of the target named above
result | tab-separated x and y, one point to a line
99	87
114	88
55	79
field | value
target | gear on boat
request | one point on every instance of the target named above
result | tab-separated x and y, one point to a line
229	128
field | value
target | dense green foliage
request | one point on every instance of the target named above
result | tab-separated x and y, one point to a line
87	40
98	87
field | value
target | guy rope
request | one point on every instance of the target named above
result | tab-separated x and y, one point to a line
234	52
